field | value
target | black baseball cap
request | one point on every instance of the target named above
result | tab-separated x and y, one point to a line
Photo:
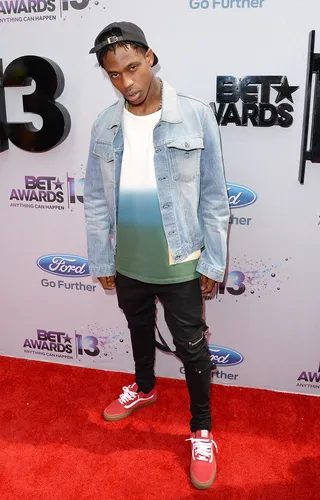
124	32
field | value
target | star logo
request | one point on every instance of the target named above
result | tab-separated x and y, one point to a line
284	90
58	184
67	339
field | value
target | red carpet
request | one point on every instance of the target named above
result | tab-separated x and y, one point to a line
56	445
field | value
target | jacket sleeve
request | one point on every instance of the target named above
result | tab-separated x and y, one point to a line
214	209
97	218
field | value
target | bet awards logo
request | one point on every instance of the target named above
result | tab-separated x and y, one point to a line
310	380
30	7
43	189
49	343
47	192
264	101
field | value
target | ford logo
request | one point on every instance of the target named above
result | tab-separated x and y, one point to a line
240	196
223	356
71	266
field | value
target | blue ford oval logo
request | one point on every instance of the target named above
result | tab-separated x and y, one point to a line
71	266
240	196
223	356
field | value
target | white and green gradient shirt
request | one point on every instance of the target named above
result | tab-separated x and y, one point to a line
142	249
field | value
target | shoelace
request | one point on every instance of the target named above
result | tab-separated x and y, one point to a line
127	395
202	449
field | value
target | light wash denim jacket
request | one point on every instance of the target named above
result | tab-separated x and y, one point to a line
190	181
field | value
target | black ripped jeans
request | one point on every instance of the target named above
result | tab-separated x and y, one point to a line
182	304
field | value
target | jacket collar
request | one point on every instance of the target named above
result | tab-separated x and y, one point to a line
170	108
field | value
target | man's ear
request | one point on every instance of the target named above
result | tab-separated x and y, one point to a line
150	57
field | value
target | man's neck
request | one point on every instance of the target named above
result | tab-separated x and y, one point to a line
152	102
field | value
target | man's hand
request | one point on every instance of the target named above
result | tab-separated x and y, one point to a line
207	285
108	282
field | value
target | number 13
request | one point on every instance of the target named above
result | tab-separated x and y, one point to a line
49	81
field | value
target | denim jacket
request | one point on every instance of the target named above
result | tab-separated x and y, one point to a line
190	182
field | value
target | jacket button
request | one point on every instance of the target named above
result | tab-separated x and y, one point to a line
158	150
187	155
186	144
178	256
165	206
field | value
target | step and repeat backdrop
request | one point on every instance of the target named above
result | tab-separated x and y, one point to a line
255	62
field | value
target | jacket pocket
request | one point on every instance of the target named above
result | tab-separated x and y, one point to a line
184	155
105	152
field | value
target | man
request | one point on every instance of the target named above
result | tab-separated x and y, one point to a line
157	214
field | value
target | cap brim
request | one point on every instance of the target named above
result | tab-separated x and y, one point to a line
96	49
155	60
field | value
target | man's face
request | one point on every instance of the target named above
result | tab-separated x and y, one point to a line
130	72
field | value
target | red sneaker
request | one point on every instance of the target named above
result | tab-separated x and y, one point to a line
129	401
203	463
